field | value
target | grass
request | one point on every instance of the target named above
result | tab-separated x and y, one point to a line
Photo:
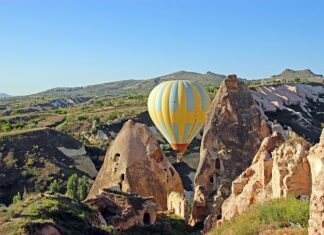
274	215
69	216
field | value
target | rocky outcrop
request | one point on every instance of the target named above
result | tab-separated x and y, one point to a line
316	161
297	106
290	171
134	163
253	184
177	204
124	211
233	133
276	171
82	161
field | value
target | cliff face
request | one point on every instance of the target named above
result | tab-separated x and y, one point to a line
135	164
233	133
296	106
316	161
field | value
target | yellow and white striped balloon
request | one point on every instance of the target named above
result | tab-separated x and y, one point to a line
178	109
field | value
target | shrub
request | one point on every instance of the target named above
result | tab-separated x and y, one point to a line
72	186
83	188
16	198
82	117
113	116
54	187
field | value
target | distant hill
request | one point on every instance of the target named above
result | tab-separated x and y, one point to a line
131	86
4	96
290	75
208	79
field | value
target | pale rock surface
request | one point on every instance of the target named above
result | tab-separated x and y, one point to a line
232	135
272	98
136	163
291	171
82	161
316	161
293	107
278	169
177	204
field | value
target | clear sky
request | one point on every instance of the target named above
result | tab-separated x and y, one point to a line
51	43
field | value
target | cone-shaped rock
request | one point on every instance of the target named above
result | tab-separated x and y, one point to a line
233	133
135	164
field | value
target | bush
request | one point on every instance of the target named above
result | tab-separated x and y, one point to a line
16	198
82	117
72	186
113	116
54	187
83	188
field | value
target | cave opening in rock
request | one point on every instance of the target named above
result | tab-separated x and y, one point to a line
147	218
211	179
217	164
116	156
122	177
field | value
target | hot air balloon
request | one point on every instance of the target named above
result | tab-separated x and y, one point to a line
178	109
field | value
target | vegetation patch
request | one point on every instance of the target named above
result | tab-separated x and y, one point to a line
278	214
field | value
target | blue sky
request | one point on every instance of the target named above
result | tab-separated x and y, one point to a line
46	44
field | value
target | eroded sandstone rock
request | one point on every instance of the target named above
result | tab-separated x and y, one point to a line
124	211
278	169
233	133
254	184
136	164
316	161
290	171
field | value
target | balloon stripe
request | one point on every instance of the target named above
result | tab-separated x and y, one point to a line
186	132
194	133
175	132
189	97
158	99
166	110
202	97
173	99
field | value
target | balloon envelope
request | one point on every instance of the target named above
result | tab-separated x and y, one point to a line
178	109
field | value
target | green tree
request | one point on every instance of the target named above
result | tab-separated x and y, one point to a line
72	186
54	187
82	188
16	198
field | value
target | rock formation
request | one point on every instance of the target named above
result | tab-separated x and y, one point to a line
253	184
276	171
134	163
124	211
177	204
316	161
298	106
290	171
233	133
